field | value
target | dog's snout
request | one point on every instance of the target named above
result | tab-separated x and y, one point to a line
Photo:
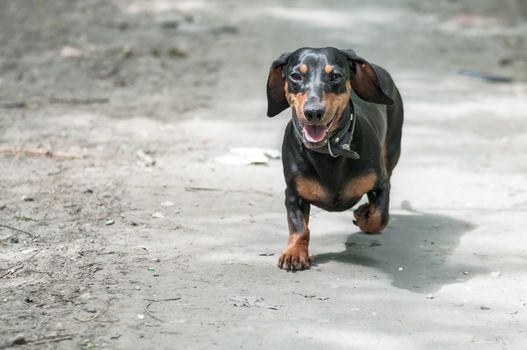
314	112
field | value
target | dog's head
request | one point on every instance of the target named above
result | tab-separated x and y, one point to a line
316	84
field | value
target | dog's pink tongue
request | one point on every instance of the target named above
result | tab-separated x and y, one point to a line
314	133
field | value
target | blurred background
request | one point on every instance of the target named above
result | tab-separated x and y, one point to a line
126	221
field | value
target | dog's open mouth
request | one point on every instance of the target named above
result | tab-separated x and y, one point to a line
316	133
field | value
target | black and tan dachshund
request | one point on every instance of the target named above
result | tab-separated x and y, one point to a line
343	140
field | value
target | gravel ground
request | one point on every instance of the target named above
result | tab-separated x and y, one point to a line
118	229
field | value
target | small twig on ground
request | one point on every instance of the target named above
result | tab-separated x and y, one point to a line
305	296
16	230
51	339
311	296
40	152
12	270
206	189
12	104
55	100
79	101
97	314
210	189
152	301
19	265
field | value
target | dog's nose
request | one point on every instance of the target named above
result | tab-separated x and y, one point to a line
314	113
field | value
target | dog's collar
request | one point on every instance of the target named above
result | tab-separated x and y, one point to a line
340	143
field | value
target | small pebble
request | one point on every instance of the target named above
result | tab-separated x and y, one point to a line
170	24
70	52
429	296
158	215
140	316
109	222
27	199
167	204
86	296
176	52
495	274
400	269
19	340
485	308
89	344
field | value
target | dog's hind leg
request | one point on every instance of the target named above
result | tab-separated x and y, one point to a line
373	216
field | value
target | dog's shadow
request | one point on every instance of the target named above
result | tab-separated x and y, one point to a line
414	251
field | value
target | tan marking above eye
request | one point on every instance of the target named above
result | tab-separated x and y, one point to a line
303	68
360	185
328	68
310	190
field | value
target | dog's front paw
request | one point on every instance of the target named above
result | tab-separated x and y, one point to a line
369	219
294	258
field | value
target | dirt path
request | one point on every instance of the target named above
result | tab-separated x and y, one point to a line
135	238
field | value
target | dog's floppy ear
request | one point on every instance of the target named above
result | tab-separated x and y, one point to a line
276	100
365	81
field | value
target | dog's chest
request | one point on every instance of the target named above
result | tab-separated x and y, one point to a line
339	196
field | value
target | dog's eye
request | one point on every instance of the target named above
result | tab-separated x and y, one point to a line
335	77
295	77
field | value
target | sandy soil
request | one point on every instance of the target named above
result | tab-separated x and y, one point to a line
135	238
